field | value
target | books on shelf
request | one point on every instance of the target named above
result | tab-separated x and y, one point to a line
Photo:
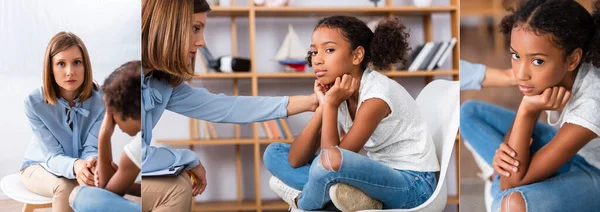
446	52
430	55
276	129
208	130
415	64
267	129
273	129
436	57
279	128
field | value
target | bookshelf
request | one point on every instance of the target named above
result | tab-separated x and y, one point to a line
252	12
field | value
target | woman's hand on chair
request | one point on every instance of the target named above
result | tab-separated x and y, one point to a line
199	184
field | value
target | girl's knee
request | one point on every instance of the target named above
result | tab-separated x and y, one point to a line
331	159
270	154
468	108
513	202
73	195
273	147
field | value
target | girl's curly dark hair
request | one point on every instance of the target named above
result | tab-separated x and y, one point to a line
570	25
122	90
387	46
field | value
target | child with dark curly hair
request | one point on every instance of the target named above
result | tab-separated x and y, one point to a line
554	166
122	98
377	113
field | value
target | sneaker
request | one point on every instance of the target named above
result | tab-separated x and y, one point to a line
287	193
348	198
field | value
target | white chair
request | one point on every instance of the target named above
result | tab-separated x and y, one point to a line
486	172
14	188
439	106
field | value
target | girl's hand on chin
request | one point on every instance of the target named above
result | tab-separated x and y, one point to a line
341	90
554	98
320	91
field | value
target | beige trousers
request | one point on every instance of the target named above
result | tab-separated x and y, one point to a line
167	194
39	181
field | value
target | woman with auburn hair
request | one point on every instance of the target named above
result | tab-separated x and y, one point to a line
172	32
65	115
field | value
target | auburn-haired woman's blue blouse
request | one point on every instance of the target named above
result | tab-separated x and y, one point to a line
62	134
198	103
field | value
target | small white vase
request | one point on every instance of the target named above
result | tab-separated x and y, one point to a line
422	3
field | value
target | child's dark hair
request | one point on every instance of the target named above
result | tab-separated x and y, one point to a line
387	46
122	90
570	25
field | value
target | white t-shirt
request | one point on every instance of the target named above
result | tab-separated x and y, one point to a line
401	140
134	150
583	109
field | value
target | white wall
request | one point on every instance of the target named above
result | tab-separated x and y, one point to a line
110	30
219	160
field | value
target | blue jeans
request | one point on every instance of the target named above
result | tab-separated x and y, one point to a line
574	187
93	199
394	188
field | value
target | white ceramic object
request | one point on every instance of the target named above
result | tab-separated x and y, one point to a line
422	3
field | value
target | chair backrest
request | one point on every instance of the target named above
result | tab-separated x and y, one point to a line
439	106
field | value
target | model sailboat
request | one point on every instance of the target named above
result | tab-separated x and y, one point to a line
291	53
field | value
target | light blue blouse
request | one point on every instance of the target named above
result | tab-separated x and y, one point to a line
471	75
53	141
198	103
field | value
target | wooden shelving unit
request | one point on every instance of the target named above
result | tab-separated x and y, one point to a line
252	12
282	75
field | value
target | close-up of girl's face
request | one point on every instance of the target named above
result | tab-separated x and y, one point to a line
197	36
331	55
68	69
537	62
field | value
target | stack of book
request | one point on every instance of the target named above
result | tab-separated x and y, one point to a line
208	130
429	56
276	129
273	129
